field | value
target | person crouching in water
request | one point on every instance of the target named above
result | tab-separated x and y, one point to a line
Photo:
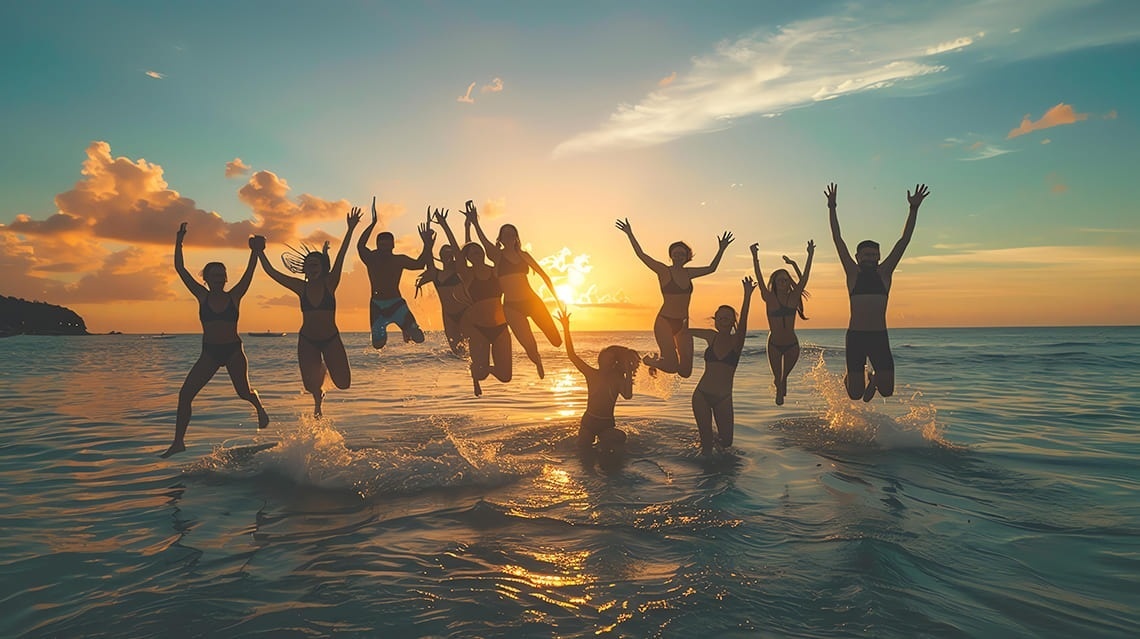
617	366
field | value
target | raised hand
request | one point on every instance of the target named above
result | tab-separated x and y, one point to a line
562	316
788	260
326	247
426	234
755	248
373	209
724	240
749	284
439	217
257	243
470	212
182	231
831	191
811	247
920	193
353	217
625	226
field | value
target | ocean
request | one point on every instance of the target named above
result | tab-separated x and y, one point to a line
997	494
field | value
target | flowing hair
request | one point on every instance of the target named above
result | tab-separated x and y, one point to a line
803	292
294	259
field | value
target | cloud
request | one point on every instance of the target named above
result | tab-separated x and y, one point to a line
236	168
1055	183
466	98
155	74
985	152
1046	141
1062	256
767	72
667	80
1111	115
495	86
1056	116
570	274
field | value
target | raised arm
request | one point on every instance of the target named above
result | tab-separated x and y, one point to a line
352	219
627	228
803	277
239	289
180	265
756	269
362	242
722	243
915	200
472	215
578	362
845	258
462	268
427	236
257	243
745	305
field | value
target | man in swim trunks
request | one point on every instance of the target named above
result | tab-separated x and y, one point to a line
385	268
869	283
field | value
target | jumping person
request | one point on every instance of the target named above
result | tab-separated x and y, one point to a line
670	328
617	367
784	299
453	301
320	351
221	346
385	268
713	394
868	284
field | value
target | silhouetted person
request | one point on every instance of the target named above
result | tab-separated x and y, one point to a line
670	328
713	394
784	299
320	351
617	367
489	340
453	301
869	283
221	346
520	302
385	268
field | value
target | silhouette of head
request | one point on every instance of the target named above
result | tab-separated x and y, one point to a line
680	253
316	265
780	280
508	237
867	254
214	273
473	253
725	318
447	255
385	241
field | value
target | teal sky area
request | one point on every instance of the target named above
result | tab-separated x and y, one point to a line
688	118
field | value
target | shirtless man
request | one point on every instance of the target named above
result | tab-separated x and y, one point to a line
385	268
869	283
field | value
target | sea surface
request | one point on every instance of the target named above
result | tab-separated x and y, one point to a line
997	494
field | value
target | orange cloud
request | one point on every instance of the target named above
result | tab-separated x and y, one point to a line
1056	116
236	168
667	80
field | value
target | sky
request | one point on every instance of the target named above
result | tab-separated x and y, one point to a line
124	119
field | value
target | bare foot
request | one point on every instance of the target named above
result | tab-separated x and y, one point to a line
176	447
538	365
262	419
318	400
478	388
869	394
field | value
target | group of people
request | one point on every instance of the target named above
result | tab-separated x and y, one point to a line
486	297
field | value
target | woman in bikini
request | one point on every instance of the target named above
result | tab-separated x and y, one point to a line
221	346
520	302
676	280
713	395
485	324
784	299
453	301
617	367
320	351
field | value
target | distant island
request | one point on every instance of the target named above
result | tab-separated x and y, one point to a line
21	317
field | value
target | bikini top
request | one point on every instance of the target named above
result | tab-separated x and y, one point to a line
484	289
327	303
732	358
782	311
673	288
507	267
207	314
868	282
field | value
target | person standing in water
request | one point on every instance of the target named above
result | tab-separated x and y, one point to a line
713	395
671	327
221	346
784	300
869	284
520	302
320	351
385	268
617	367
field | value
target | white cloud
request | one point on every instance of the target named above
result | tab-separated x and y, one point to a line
985	152
466	98
155	74
952	45
495	86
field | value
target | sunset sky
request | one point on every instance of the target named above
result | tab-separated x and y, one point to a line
123	119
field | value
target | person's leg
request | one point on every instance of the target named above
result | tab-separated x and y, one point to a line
789	357
883	365
378	320
542	319
454	333
666	359
702	413
312	371
479	350
238	368
683	342
336	361
856	357
776	363
725	421
406	320
202	371
520	326
501	355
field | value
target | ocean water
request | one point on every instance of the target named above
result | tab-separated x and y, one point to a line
997	494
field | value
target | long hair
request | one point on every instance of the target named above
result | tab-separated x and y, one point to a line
294	259
499	239
734	315
772	287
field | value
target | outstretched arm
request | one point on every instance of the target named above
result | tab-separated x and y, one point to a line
462	268
845	258
795	267
706	334
756	269
352	219
803	278
362	242
581	365
239	289
427	236
742	323
180	265
915	200
472	215
722	243
627	228
297	285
